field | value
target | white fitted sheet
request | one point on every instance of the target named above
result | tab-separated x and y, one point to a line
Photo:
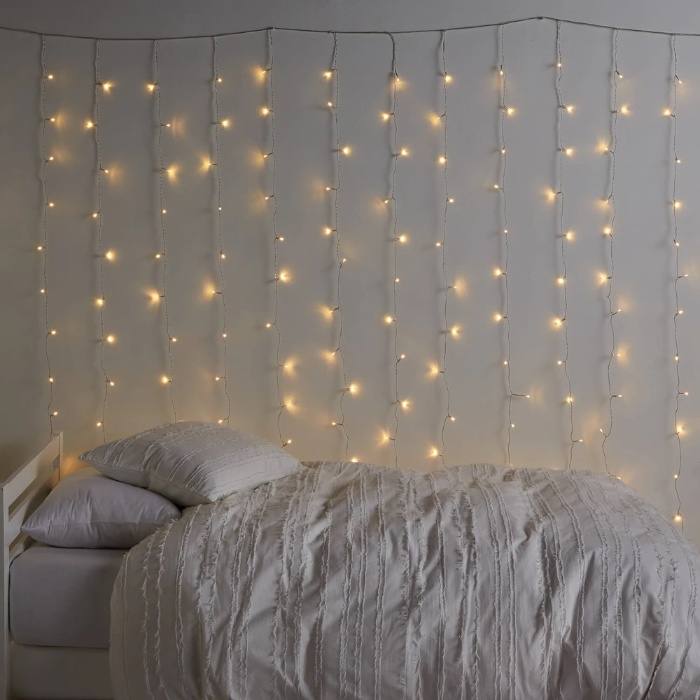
60	597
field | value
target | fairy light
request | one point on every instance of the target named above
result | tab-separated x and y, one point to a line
221	256
442	245
396	239
500	186
276	238
44	247
562	279
100	171
609	232
162	256
333	77
675	82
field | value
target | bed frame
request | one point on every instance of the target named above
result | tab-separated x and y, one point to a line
20	495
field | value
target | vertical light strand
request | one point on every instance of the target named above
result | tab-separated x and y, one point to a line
443	160
562	279
396	240
43	247
162	256
278	275
100	173
334	230
505	110
610	232
222	377
675	204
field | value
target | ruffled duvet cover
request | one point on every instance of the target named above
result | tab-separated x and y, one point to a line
354	581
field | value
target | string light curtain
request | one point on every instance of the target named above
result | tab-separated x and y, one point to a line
609	232
101	172
220	293
562	194
161	256
672	112
279	275
441	244
396	240
43	247
505	110
336	311
562	280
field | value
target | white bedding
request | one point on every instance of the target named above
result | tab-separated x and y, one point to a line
353	581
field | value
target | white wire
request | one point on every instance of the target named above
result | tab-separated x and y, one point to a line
221	291
162	211
561	201
44	248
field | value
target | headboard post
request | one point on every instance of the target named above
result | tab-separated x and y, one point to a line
20	494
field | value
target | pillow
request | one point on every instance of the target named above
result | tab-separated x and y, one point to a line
89	511
192	462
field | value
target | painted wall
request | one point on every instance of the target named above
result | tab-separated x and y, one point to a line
642	447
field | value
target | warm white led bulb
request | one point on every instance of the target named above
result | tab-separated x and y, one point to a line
347	150
403	238
265	111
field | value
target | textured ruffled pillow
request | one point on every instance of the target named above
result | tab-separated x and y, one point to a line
192	462
89	511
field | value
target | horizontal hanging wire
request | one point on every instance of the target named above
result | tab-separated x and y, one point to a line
486	25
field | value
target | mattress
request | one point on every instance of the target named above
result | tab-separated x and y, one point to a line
60	597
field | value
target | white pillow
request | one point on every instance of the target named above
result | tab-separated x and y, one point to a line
89	511
192	462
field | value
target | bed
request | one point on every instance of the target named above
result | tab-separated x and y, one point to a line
347	580
55	603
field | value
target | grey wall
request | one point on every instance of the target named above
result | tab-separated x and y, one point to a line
642	447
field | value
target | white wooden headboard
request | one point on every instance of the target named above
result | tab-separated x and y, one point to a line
20	495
